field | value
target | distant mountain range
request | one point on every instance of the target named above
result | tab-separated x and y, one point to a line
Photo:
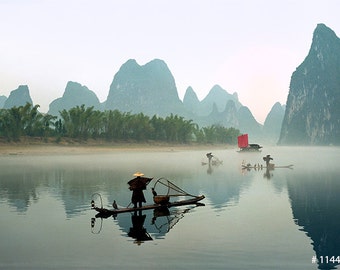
311	116
134	89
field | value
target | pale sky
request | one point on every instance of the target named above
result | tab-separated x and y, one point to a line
251	47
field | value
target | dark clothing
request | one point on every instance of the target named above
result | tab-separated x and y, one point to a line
138	197
137	185
267	159
209	156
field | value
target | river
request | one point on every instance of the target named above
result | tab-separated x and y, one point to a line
286	218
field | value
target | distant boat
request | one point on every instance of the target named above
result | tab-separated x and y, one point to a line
244	145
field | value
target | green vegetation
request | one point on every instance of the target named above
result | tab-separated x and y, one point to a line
84	123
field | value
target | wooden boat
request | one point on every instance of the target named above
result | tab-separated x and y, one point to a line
244	146
106	211
168	190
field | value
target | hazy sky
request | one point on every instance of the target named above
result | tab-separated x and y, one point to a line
251	47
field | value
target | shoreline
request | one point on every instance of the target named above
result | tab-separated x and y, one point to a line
96	147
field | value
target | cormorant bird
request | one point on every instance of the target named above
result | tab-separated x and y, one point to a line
154	192
114	205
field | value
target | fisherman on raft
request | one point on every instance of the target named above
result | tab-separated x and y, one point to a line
267	159
137	185
209	156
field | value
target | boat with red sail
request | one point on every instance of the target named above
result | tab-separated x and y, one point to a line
244	145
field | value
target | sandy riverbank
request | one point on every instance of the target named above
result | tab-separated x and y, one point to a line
93	147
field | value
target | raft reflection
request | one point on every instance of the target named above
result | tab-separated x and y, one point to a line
146	225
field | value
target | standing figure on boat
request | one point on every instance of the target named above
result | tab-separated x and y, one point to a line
267	159
209	156
137	185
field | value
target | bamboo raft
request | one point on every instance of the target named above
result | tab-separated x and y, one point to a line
106	211
271	166
170	190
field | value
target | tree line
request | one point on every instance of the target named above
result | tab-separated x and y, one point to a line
82	123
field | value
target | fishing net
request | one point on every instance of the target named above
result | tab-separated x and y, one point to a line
164	224
165	187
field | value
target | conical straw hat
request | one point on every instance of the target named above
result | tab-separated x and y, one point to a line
138	174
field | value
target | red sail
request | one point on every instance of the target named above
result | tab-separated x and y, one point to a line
242	141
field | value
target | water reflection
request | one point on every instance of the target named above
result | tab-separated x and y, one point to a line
316	209
267	172
211	161
245	216
145	225
72	180
137	231
24	187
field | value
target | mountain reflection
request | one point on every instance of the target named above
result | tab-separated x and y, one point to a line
23	186
20	190
316	208
73	187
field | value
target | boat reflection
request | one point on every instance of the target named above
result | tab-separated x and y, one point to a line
138	231
268	172
146	225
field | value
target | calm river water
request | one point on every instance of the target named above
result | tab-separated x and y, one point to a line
252	219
